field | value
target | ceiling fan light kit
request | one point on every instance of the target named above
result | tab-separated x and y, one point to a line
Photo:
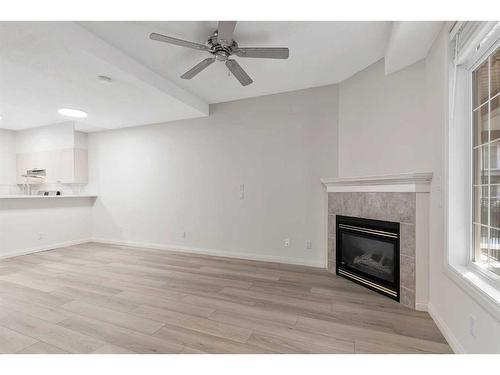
222	46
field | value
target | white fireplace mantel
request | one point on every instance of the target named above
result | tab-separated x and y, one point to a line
403	182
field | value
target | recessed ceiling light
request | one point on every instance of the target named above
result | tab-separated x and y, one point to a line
72	113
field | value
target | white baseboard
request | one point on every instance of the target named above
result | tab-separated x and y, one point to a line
215	253
42	248
421	306
446	331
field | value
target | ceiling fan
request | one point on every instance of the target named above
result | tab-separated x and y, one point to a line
222	46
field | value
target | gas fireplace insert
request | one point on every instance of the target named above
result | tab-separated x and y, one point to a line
368	253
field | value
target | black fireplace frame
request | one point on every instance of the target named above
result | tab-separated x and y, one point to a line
391	290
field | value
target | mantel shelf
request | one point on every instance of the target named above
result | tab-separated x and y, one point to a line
404	182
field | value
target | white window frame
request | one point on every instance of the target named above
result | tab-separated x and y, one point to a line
473	65
483	287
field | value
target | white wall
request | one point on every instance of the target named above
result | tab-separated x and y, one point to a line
29	225
380	117
7	161
396	124
156	182
46	138
449	304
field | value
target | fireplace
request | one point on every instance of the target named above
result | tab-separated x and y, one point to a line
368	253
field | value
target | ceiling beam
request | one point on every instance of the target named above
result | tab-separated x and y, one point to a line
72	32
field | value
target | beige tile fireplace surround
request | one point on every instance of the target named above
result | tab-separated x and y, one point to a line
402	198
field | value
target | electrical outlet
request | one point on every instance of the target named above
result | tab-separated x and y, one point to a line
286	242
472	326
184	234
309	245
40	236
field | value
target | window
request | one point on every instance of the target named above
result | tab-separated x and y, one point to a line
486	163
472	136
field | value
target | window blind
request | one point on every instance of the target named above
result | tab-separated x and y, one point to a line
470	38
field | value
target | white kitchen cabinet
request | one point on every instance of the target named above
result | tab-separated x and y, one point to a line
73	167
67	166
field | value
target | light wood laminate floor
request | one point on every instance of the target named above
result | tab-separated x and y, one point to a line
96	298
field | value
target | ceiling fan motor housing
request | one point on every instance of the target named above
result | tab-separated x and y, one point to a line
220	51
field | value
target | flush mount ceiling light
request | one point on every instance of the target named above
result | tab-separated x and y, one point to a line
69	112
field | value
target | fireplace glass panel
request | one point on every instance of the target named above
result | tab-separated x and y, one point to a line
369	255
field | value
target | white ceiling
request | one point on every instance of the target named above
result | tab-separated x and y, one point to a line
45	66
321	53
48	65
410	41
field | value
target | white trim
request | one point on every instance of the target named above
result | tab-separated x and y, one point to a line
43	248
492	278
178	248
480	39
403	182
458	264
458	203
445	330
455	29
421	306
476	287
215	253
378	188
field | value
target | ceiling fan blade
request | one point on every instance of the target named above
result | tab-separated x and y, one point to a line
198	68
225	31
238	72
263	53
178	42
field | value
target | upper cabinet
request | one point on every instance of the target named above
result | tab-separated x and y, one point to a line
66	166
58	149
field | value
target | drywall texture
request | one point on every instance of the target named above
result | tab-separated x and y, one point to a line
382	126
181	183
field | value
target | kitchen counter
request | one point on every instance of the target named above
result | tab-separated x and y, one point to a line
46	197
30	223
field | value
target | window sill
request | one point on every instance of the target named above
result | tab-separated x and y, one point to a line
481	289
